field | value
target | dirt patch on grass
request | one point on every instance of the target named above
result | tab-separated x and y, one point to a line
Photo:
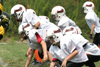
6	39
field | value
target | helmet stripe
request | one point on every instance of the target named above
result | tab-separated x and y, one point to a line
18	9
57	31
60	11
89	5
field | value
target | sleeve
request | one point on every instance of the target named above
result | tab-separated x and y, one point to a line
71	23
54	60
39	39
29	16
90	17
51	50
70	46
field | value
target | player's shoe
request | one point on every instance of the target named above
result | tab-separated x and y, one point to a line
36	62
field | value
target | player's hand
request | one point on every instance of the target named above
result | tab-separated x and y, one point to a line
26	55
45	58
64	63
90	36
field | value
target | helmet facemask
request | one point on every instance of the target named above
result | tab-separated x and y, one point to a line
24	29
23	36
54	35
54	39
18	13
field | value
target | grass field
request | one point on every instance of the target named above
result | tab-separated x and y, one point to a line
13	55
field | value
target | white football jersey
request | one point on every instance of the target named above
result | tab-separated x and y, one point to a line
45	23
30	17
90	18
33	40
92	49
67	46
65	22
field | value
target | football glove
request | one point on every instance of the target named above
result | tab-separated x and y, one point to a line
90	36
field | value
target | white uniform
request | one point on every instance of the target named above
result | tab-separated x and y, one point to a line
29	16
33	39
90	18
69	43
45	23
65	21
90	48
67	46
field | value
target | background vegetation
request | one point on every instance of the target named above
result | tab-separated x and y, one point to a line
73	9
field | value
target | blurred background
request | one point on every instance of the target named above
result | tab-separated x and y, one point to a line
73	9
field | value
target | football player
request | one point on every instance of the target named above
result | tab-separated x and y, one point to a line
59	15
62	43
37	39
64	49
24	15
92	21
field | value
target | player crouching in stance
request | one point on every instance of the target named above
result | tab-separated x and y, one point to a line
92	50
36	39
64	49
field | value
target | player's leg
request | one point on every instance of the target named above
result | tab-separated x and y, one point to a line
95	40
37	57
72	64
92	59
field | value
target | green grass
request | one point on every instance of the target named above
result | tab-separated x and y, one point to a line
13	54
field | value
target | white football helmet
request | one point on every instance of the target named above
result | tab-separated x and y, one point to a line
70	30
25	27
18	11
58	12
55	33
88	6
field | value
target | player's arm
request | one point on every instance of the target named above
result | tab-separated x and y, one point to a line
44	47
36	26
72	55
44	50
92	29
30	55
52	64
